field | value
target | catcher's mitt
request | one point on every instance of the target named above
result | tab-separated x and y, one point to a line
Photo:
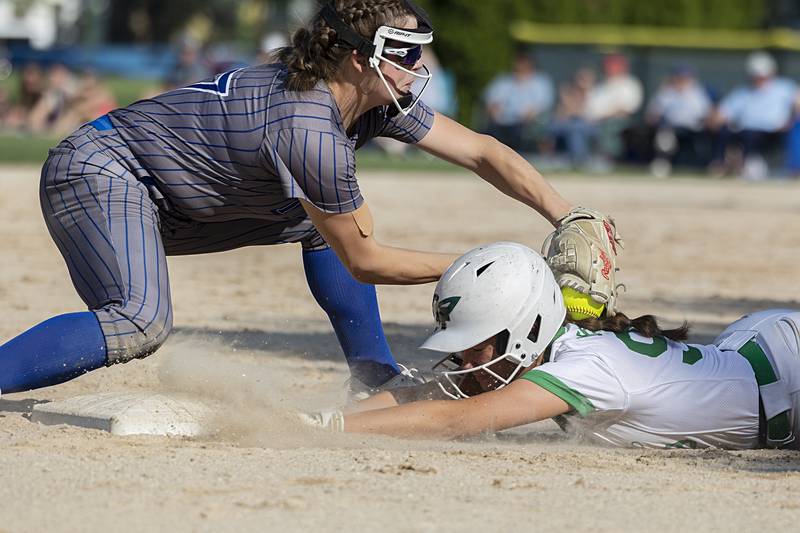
582	252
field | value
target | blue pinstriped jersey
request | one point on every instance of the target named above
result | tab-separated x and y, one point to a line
243	146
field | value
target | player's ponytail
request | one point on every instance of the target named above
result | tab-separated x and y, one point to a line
314	54
645	325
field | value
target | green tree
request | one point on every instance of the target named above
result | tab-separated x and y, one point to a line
158	21
472	40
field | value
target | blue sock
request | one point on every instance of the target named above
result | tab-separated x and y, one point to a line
57	350
352	307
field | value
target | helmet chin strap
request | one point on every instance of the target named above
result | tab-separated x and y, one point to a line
403	103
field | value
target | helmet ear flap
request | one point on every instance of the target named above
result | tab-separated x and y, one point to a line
523	348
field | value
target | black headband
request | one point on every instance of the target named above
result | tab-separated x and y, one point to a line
345	33
364	46
423	21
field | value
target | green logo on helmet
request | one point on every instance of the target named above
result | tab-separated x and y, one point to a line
442	309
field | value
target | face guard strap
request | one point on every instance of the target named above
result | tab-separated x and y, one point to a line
353	39
423	21
345	33
421	35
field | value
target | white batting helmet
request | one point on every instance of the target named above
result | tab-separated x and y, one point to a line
502	287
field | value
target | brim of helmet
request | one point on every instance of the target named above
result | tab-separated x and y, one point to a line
450	341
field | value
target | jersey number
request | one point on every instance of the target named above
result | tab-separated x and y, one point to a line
691	355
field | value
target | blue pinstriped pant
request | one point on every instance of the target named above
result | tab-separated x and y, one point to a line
115	241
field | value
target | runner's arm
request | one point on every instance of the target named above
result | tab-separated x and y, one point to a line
522	402
395	397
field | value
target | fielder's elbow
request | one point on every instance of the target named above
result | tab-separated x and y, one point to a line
363	270
490	150
364	275
355	262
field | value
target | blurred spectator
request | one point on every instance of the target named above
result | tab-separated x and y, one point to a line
31	86
190	68
441	91
753	118
31	89
91	100
5	107
569	125
610	106
518	104
678	112
272	42
54	102
439	95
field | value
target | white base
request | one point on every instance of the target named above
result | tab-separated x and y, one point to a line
126	414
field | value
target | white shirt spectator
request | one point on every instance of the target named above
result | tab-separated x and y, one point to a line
767	107
618	95
681	107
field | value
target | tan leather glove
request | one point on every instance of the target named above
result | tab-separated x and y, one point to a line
583	251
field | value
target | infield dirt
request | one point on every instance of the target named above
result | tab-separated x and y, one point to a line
251	341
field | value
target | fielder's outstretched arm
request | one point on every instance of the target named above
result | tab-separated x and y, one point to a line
522	402
496	163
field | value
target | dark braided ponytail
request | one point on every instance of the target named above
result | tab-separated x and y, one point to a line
645	325
314	54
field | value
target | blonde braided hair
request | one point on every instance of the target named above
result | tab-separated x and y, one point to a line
314	56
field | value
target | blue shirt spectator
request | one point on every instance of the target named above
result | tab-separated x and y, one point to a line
755	117
766	104
765	107
440	94
520	96
681	102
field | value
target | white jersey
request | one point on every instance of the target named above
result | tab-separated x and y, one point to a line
631	390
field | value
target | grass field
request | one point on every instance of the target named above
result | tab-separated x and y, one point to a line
22	148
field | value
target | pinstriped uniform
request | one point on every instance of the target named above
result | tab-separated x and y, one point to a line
215	166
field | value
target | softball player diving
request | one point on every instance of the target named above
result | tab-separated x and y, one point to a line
514	359
256	156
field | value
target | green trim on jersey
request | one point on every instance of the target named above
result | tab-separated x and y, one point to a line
559	333
763	370
779	427
552	384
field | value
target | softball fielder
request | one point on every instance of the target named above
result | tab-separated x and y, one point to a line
514	359
256	156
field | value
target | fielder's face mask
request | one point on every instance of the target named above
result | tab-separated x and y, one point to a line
400	47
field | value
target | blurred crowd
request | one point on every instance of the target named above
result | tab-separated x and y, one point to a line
592	123
53	100
589	123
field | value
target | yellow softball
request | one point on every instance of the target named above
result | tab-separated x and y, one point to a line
580	305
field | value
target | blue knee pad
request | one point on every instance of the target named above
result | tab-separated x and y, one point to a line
352	307
57	350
